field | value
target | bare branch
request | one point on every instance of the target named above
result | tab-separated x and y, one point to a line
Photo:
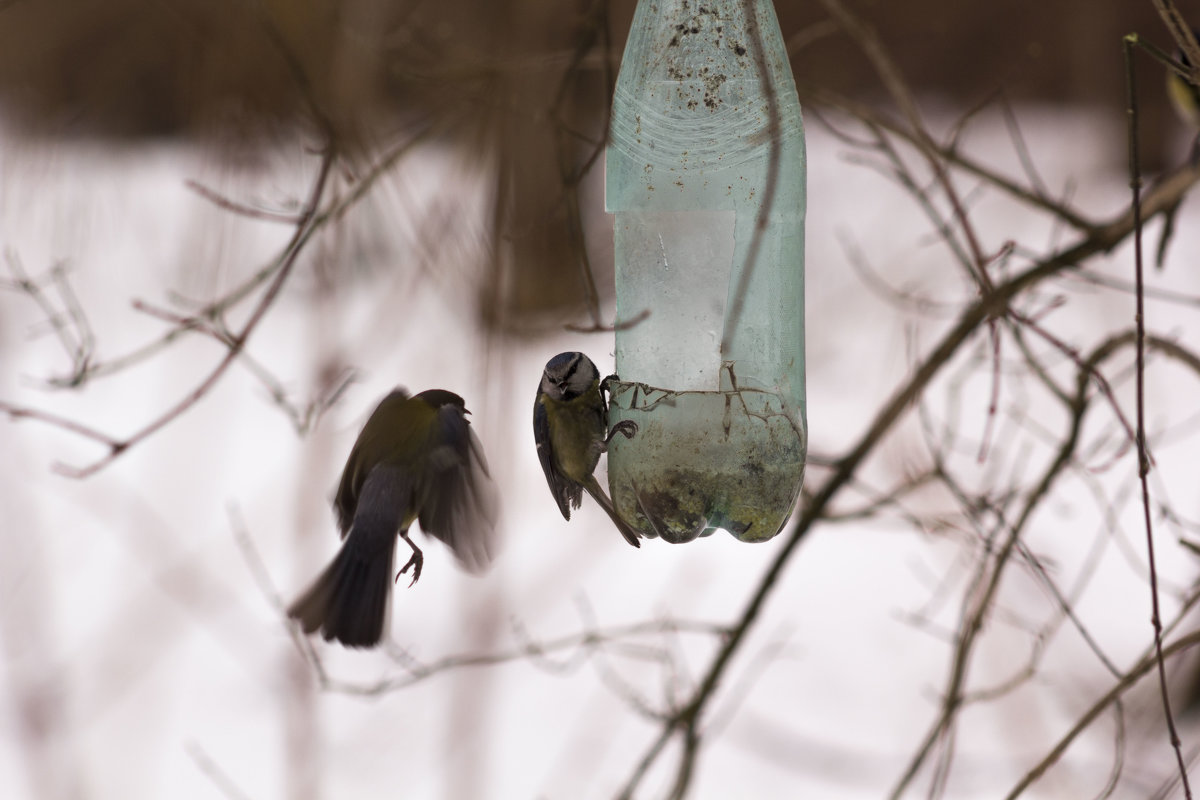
992	303
1143	451
1127	682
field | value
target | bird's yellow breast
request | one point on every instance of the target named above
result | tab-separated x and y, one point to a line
576	433
1186	99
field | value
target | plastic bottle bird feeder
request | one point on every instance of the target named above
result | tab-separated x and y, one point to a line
706	180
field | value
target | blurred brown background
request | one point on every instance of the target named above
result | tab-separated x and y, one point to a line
152	67
519	85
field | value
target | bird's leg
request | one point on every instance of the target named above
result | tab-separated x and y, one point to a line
626	427
415	562
604	387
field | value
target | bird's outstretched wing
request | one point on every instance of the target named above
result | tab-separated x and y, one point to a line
455	494
366	453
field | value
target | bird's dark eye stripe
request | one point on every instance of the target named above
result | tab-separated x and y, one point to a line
571	369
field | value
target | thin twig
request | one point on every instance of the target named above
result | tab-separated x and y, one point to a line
889	74
1181	31
766	200
1127	682
1143	453
287	261
571	175
241	209
529	649
213	771
953	156
311	220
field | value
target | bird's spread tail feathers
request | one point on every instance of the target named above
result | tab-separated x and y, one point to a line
597	493
348	603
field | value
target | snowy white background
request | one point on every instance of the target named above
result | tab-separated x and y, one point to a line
138	642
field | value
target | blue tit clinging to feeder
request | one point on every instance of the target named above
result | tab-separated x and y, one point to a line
569	427
416	460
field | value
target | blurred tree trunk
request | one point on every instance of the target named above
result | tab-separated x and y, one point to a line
39	693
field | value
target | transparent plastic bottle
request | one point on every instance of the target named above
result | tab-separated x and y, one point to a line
705	176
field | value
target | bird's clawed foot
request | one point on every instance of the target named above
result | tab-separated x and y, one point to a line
415	562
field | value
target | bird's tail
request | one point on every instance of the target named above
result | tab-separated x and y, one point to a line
597	493
348	603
